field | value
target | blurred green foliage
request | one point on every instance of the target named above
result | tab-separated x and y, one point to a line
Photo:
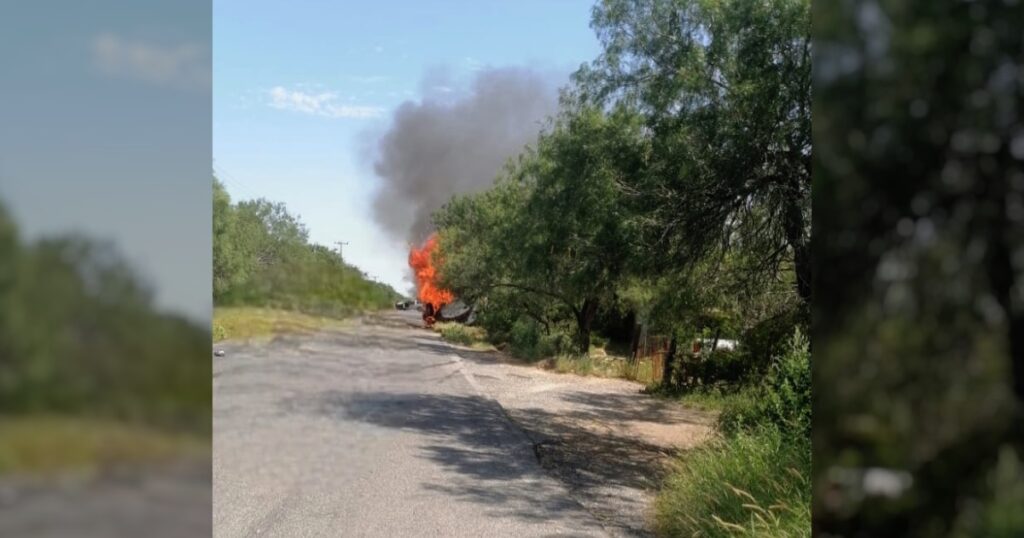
262	257
919	226
79	335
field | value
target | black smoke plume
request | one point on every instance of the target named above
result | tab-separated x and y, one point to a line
450	143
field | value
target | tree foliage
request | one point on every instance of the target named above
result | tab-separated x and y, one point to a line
724	89
79	334
919	190
554	230
674	183
262	256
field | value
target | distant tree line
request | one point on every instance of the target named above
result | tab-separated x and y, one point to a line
262	257
79	335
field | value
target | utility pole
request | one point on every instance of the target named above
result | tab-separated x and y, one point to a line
340	244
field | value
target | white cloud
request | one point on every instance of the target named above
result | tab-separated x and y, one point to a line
183	66
322	103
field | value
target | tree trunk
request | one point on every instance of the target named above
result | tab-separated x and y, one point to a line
1016	329
1002	279
670	357
794	227
634	343
584	317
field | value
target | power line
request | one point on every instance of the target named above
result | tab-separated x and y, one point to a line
235	183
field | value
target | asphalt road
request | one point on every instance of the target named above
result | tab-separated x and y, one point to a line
376	430
167	501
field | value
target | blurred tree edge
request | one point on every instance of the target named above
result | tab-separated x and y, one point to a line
79	336
918	234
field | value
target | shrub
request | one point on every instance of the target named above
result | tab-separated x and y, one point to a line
496	319
769	338
528	340
523	339
784	400
755	483
721	367
458	333
219	332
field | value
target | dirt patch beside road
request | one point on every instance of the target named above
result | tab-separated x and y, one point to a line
602	437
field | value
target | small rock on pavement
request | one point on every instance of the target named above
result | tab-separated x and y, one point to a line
219	353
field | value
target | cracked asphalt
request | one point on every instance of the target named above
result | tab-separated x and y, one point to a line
381	429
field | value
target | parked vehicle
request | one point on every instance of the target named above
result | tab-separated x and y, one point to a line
701	344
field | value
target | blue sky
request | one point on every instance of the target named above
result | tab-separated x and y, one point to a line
299	87
105	133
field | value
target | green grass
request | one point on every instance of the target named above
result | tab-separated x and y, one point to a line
601	365
463	335
750	484
709	398
718	398
248	323
640	371
570	364
46	444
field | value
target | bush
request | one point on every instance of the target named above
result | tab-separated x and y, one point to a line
458	333
523	339
755	483
555	343
769	338
219	332
721	367
496	319
785	398
527	340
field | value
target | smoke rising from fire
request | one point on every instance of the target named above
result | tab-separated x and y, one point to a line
442	146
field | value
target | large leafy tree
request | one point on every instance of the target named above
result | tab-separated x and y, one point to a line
556	226
724	88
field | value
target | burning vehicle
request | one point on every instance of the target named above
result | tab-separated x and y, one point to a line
439	304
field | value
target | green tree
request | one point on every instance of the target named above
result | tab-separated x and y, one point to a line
79	334
555	227
262	256
724	88
230	266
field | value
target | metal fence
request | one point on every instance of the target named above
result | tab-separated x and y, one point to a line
650	348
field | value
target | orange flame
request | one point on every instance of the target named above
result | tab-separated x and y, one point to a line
422	263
